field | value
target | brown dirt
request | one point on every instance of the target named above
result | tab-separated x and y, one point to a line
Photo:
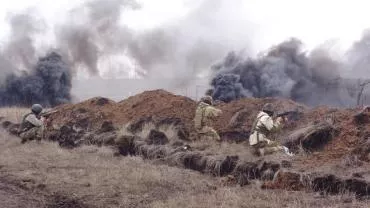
156	104
99	114
351	134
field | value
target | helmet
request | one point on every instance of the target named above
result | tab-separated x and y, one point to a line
268	108
36	108
207	99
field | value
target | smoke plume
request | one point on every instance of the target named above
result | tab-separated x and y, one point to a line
180	49
93	32
20	48
284	71
24	80
48	83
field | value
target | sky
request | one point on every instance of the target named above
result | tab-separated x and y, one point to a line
312	21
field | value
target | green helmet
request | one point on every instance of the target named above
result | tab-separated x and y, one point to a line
268	108
36	108
207	99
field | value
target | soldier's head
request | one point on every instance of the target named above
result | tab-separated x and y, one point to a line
36	109
207	99
268	108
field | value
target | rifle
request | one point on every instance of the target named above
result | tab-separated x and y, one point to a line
48	113
291	114
285	113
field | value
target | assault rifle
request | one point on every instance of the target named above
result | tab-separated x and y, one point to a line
286	113
48	113
291	115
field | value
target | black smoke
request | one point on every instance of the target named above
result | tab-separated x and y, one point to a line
284	71
48	83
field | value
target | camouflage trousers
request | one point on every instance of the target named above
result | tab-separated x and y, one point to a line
36	133
207	132
264	148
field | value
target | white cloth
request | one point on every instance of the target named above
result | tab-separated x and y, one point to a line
263	120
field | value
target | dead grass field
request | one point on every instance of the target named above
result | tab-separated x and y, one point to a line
44	175
13	114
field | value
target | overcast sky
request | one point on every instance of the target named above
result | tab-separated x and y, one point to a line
314	21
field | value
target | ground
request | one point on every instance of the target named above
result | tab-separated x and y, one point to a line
45	175
36	175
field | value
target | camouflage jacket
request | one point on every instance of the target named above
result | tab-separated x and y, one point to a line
262	127
29	121
204	114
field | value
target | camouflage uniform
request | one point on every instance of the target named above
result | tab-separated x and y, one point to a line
31	128
262	128
203	116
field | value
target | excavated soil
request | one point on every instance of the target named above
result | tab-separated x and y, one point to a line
96	120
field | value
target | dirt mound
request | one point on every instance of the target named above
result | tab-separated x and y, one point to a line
155	104
95	121
101	115
351	134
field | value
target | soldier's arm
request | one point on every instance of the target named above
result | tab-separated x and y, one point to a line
213	112
270	124
34	120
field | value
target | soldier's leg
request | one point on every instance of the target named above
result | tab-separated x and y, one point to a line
39	133
28	135
209	133
273	147
258	149
214	134
271	150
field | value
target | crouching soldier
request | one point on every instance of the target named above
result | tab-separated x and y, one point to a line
204	115
262	128
32	126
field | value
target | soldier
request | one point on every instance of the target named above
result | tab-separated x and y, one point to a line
204	114
32	126
262	127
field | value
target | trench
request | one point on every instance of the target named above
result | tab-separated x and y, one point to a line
274	175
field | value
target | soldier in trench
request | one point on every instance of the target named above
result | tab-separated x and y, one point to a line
262	128
204	115
32	126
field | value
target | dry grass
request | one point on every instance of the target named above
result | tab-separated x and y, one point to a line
13	114
96	177
93	175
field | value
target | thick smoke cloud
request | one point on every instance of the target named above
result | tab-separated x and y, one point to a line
183	49
284	71
24	80
20	48
359	56
94	32
180	49
48	83
191	45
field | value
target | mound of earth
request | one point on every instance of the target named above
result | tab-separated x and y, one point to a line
158	103
101	115
96	121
